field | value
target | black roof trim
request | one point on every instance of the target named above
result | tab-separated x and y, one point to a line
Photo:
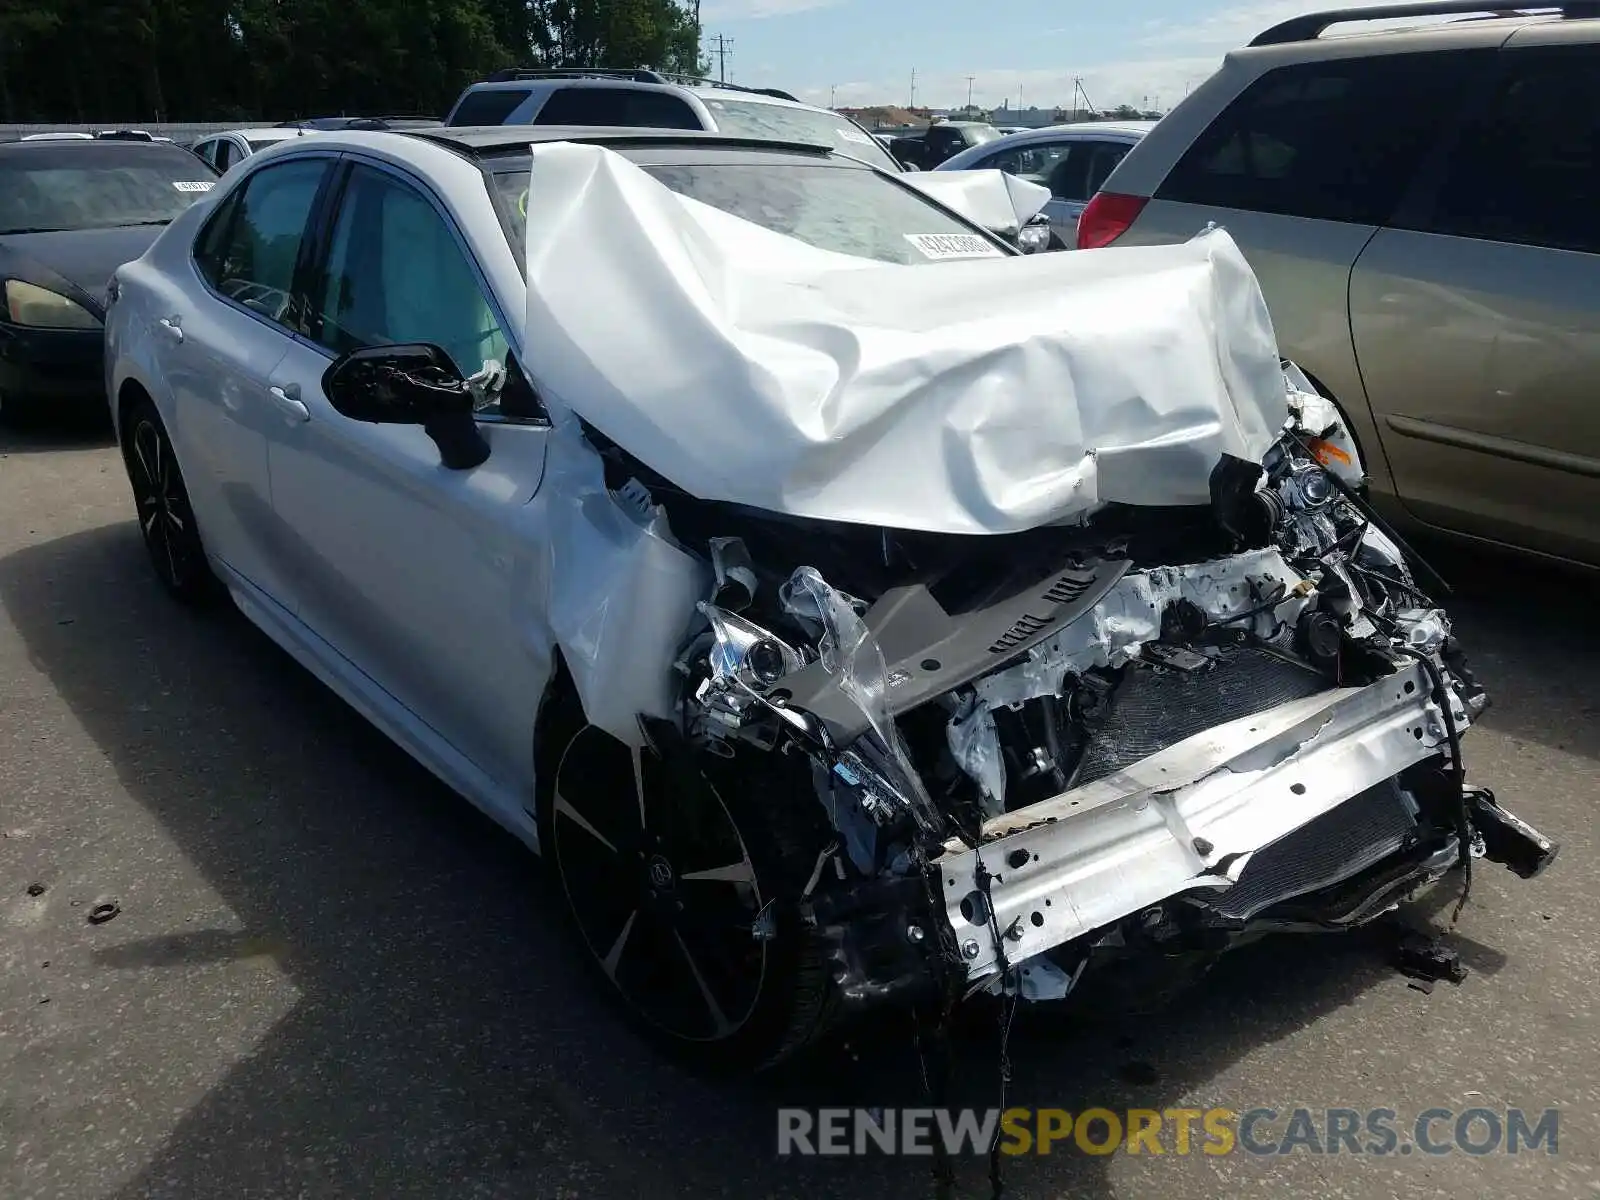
597	135
639	75
1313	25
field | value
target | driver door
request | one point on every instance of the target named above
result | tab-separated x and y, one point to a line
417	576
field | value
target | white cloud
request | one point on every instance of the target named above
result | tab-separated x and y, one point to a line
1183	53
1162	80
748	10
1234	26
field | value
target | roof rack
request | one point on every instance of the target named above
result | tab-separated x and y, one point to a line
1313	25
638	75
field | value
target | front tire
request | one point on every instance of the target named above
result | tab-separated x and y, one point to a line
670	865
166	518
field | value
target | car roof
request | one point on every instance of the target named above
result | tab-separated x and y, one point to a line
267	133
1124	128
701	89
63	148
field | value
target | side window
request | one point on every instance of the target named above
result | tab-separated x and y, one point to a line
1330	140
1035	163
1103	159
247	250
637	107
1528	171
206	152
227	154
491	106
396	273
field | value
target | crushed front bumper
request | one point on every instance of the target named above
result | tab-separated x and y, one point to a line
1184	820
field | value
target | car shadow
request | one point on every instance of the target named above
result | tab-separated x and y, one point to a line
445	1040
51	433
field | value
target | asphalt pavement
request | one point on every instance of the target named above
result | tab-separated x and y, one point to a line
327	976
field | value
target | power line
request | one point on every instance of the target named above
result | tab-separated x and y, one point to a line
720	49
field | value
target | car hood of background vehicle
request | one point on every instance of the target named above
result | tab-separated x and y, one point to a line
84	258
980	395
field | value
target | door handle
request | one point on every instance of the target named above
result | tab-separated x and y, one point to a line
289	403
173	326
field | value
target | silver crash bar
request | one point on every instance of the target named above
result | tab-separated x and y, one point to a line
1185	818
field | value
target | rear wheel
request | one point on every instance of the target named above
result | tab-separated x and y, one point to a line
681	885
166	519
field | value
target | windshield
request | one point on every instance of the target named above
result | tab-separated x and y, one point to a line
70	185
815	126
977	135
844	209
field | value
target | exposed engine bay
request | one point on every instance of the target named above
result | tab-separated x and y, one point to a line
1149	729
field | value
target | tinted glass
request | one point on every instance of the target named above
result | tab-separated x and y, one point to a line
785	123
397	273
1332	140
846	210
1529	170
491	106
227	154
258	144
97	185
1035	163
977	135
617	106
248	249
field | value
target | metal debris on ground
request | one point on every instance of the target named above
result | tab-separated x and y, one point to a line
1425	959
103	911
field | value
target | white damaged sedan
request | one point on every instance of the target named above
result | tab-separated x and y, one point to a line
852	611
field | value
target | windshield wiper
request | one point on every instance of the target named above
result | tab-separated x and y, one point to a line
39	229
160	221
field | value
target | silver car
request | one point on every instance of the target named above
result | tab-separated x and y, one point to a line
1419	205
1073	161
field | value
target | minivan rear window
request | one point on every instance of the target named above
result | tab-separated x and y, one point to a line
490	106
1334	140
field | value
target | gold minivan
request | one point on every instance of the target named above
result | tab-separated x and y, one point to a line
1422	207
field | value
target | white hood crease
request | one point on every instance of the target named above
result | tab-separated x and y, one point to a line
994	200
988	395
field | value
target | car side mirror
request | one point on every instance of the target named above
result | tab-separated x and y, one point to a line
415	384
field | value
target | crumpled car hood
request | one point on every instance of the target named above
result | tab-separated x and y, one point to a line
992	199
984	394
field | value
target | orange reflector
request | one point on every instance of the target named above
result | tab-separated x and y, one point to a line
1327	452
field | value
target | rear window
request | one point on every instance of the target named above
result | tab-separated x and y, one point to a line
637	107
844	209
489	106
73	185
781	123
1334	140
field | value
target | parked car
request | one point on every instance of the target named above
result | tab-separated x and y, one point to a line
653	99
58	137
791	568
326	124
1071	160
929	147
71	212
1420	208
222	150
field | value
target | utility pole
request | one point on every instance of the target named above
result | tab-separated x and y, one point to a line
833	91
913	103
969	92
720	49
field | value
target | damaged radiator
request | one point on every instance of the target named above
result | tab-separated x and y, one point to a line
1155	707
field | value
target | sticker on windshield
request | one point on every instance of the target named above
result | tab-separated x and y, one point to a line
954	245
192	185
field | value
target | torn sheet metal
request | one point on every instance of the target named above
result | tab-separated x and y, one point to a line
1176	820
994	200
980	396
621	593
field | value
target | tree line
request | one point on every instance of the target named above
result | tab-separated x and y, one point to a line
132	61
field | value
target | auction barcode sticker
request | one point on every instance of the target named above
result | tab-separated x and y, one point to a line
192	185
954	245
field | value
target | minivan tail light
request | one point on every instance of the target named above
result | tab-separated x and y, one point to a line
1108	216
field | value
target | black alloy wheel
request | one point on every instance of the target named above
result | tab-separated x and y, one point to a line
166	518
672	885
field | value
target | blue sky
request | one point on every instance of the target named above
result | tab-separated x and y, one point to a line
863	51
